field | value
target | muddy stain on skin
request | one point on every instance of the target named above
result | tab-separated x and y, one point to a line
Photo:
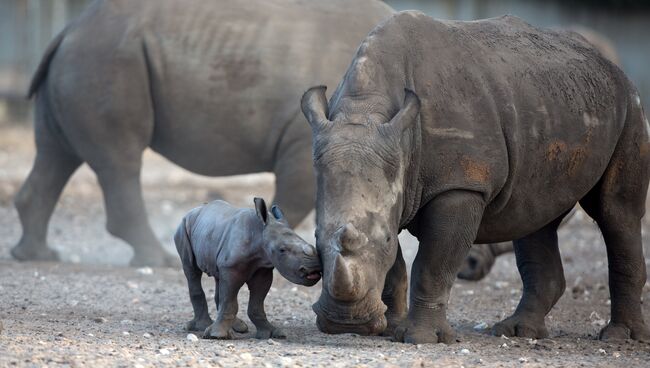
555	149
577	157
474	170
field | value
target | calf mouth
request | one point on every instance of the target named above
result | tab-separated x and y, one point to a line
311	275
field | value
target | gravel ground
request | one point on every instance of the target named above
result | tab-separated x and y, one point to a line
94	311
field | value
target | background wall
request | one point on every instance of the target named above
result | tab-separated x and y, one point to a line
27	26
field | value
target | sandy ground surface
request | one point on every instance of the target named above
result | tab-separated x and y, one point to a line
92	310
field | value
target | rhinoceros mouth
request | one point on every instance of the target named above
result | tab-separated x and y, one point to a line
365	317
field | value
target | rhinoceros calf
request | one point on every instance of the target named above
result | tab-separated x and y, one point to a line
463	132
212	85
237	246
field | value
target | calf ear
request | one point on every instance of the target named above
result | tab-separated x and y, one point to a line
407	116
277	213
260	208
314	107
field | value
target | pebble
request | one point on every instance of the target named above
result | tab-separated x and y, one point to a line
145	271
616	354
480	326
523	360
602	351
125	333
272	342
99	320
146	335
464	351
245	356
192	338
163	351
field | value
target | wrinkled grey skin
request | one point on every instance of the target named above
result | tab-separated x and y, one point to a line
481	257
497	147
212	85
237	246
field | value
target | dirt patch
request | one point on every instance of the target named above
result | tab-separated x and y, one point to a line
475	171
97	313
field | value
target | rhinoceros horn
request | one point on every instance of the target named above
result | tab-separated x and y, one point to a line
349	238
343	283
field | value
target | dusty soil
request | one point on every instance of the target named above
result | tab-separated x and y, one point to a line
92	310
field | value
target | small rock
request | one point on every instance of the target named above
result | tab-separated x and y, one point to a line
245	356
132	285
286	361
192	338
145	271
91	335
126	322
163	351
126	333
272	342
99	320
146	335
480	326
602	351
523	360
464	351
616	354
504	345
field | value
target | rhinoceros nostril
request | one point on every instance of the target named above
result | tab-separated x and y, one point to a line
302	269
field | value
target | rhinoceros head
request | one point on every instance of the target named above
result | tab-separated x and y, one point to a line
360	161
293	257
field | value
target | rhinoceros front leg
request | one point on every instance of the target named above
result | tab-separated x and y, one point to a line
259	285
394	293
540	267
446	228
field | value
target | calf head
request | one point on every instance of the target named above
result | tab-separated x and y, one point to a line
360	165
293	257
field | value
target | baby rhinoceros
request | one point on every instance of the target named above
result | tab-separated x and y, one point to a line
237	246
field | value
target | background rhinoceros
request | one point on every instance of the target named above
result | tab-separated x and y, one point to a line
213	86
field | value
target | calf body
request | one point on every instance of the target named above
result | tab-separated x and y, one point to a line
237	246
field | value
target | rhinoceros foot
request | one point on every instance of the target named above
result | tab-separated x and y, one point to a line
240	326
221	331
419	333
28	251
521	326
276	333
621	331
198	324
155	258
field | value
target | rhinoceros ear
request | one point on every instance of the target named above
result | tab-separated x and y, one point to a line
407	116
314	107
260	209
277	213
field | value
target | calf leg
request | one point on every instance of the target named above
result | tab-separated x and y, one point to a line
480	260
259	285
540	267
394	293
226	298
446	228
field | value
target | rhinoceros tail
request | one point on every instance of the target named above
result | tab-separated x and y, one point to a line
43	66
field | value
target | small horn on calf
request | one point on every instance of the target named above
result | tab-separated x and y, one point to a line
343	285
349	238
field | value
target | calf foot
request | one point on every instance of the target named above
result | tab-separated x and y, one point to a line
521	327
198	324
621	331
25	251
219	331
276	333
240	326
418	333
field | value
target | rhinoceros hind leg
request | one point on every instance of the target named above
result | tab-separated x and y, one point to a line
37	198
540	267
617	204
126	217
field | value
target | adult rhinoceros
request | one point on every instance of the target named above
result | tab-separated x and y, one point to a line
481	131
211	85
